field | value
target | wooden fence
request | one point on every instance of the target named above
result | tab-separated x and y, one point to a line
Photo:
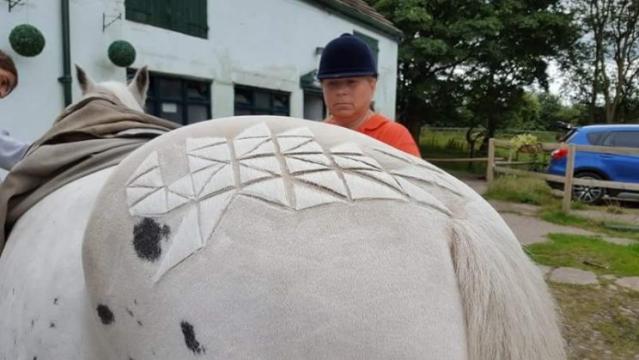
568	179
496	165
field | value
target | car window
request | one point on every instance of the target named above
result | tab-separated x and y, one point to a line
597	138
624	139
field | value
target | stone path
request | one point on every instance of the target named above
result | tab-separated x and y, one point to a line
530	229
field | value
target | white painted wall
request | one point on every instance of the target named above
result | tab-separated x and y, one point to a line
267	44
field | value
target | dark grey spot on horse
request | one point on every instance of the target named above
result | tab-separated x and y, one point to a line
55	301
35	358
52	324
146	238
128	311
189	338
139	322
135	301
32	323
105	314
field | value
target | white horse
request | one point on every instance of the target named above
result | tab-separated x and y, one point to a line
269	238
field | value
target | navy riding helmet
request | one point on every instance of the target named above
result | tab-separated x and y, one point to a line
346	56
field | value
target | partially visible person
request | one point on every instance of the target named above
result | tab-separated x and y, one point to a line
348	74
11	150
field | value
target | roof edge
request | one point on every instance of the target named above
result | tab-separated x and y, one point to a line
392	31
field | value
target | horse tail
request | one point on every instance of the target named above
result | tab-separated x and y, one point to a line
509	311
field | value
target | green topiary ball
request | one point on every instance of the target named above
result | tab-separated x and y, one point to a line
121	53
26	40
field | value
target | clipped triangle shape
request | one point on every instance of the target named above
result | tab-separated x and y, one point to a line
382	176
271	190
348	163
325	179
420	195
186	241
290	143
183	187
193	144
309	147
397	154
249	174
223	179
315	158
362	188
150	162
268	163
219	153
297	132
347	148
135	194
152	205
259	130
306	197
244	147
425	175
153	178
174	200
266	148
202	177
296	166
211	211
366	160
197	163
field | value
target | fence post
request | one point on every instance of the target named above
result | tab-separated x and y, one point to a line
490	166
570	171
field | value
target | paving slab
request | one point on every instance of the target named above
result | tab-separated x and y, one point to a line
532	230
566	275
629	282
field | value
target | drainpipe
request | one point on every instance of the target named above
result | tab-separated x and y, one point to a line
66	78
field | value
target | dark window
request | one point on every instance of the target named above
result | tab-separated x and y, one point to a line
256	101
184	101
371	42
623	139
185	16
597	138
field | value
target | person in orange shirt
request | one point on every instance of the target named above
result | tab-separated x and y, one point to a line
348	75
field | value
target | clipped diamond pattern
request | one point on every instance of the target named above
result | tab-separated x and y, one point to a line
290	170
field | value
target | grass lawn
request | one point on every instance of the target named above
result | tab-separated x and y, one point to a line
521	190
447	144
587	253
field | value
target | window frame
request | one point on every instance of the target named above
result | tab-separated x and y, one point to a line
372	43
254	110
184	101
173	15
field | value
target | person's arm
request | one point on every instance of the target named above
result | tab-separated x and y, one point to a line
11	150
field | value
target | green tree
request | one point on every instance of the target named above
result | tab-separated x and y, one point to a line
604	61
467	55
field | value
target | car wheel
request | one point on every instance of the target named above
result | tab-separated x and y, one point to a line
588	194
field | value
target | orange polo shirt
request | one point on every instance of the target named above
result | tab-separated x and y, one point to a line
389	132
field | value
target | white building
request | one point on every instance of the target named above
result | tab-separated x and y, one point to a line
208	59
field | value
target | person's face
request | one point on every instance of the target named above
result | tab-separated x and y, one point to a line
7	82
349	98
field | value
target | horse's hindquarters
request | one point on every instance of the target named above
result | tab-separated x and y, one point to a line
341	282
275	238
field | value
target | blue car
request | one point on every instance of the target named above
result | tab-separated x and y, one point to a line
595	165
